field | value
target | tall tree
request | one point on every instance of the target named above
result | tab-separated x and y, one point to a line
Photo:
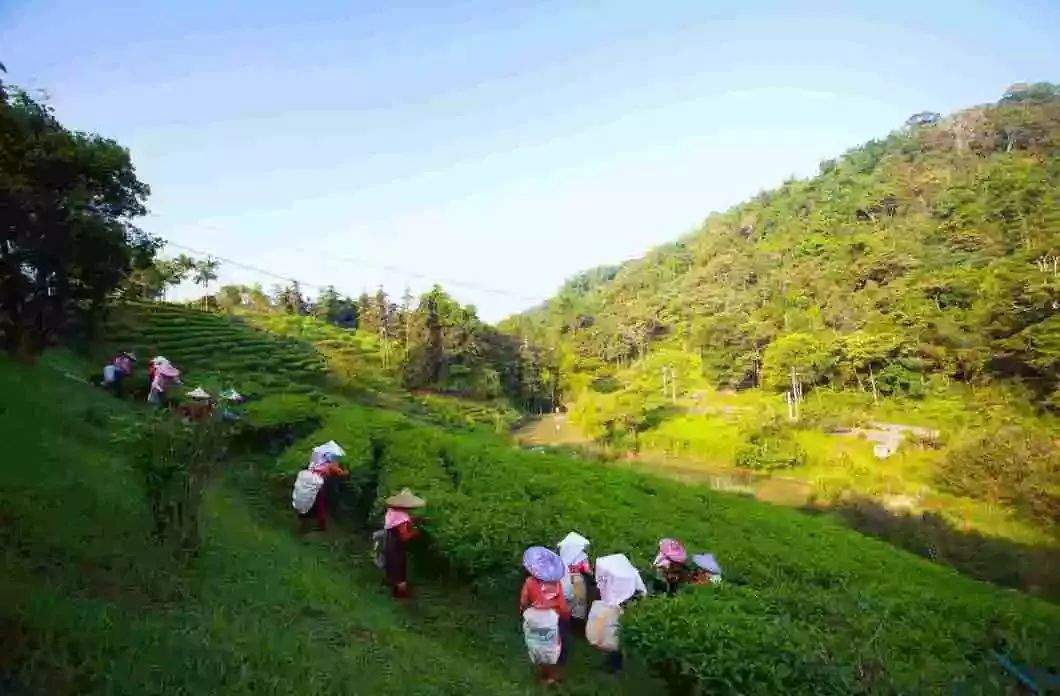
206	273
153	280
67	201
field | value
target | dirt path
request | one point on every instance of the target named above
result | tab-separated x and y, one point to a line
551	429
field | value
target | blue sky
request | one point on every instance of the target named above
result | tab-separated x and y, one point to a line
503	146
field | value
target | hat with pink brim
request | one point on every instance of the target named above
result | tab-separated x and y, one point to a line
167	370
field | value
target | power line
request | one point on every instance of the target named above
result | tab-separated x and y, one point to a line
390	268
240	264
449	282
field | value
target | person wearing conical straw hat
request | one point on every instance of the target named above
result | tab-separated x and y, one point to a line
400	528
544	606
200	407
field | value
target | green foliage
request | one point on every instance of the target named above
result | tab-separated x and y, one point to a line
89	603
215	351
272	422
1037	91
150	281
282	409
926	255
767	446
176	461
805	356
67	201
1012	466
807	604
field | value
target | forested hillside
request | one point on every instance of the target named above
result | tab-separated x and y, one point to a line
926	256
886	331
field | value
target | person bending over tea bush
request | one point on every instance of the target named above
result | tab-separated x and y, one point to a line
670	564
309	497
399	529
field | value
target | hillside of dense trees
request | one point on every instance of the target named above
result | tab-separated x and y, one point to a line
929	256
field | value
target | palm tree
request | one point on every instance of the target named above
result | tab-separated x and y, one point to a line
205	273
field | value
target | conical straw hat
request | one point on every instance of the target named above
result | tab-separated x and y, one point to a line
405	499
199	393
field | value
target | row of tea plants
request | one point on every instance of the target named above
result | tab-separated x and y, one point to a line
807	604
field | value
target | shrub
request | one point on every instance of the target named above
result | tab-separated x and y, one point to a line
1010	465
276	420
767	445
176	461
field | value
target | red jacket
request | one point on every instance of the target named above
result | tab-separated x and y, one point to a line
544	595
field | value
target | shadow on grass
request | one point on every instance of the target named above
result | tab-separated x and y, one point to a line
1032	569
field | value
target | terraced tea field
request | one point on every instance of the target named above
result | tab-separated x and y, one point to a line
270	354
217	351
354	357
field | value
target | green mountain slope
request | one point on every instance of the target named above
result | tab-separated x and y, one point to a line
927	255
915	281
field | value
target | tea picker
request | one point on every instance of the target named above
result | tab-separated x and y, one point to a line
705	570
200	407
576	584
670	564
162	375
116	371
399	528
619	583
229	399
309	497
543	605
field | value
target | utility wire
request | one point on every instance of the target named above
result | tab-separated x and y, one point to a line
358	261
240	264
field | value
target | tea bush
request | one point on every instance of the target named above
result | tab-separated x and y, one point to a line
808	605
214	350
273	422
176	460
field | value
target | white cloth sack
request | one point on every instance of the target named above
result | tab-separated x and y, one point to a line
576	591
572	551
110	374
617	579
306	487
541	632
601	630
